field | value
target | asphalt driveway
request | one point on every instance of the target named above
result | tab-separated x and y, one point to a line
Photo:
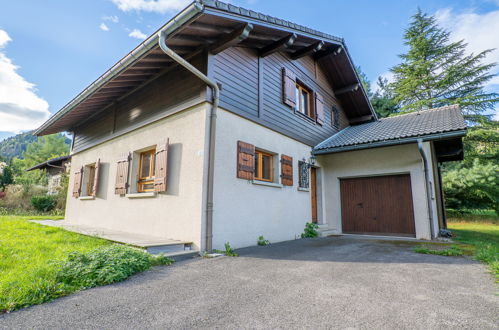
311	283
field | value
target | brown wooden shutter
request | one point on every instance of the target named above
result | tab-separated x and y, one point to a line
286	170
96	177
121	185
288	88
245	160
77	183
319	109
161	166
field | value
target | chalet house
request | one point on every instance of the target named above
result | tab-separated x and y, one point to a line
229	124
54	169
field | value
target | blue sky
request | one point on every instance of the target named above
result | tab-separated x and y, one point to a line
51	50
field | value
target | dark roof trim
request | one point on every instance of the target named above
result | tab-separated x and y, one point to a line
230	11
50	163
386	143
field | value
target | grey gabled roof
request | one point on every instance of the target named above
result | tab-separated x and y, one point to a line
428	124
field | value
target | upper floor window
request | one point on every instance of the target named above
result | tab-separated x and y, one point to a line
304	100
146	171
264	169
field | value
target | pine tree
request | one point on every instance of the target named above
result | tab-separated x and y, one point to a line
437	72
383	100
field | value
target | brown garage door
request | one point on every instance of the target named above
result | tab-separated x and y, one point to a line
380	205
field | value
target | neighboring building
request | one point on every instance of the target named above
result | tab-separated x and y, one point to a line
54	168
296	139
2	166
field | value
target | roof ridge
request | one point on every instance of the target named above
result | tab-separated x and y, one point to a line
418	112
264	17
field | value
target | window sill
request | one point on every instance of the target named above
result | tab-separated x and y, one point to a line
86	198
303	189
306	117
268	184
142	195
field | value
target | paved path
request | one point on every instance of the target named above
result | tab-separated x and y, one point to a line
315	284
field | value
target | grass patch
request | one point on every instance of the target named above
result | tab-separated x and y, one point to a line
39	263
453	250
484	237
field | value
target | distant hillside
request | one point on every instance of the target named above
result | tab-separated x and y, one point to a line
14	146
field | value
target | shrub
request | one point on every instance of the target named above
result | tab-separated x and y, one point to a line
19	196
310	230
476	187
43	203
105	266
228	251
262	241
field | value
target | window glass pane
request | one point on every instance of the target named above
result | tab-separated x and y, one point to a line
257	155
146	164
297	98
91	178
266	167
304	95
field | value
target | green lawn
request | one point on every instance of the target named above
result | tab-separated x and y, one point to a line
483	236
40	263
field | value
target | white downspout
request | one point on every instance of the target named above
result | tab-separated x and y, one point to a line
211	127
428	186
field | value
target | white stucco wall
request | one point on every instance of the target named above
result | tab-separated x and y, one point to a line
244	210
378	161
176	214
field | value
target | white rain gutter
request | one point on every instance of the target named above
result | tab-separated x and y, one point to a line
428	186
162	36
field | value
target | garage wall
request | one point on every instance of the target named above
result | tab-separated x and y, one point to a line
377	161
244	210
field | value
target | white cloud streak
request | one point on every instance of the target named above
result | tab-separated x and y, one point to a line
479	31
112	19
103	27
20	107
157	6
136	33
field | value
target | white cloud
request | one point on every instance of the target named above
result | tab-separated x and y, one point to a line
103	27
136	33
157	6
20	108
388	75
479	31
113	18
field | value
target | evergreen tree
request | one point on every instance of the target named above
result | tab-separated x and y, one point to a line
437	72
383	100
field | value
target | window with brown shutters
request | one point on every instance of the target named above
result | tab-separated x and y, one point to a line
288	88
286	170
319	109
161	167
245	160
122	165
77	183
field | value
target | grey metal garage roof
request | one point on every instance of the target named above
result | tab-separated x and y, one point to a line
427	124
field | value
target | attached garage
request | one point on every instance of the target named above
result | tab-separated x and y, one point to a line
377	205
